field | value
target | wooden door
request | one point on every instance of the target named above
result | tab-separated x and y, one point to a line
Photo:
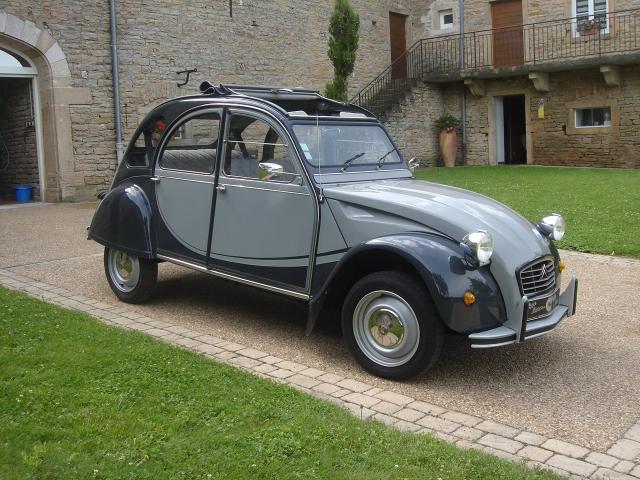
506	21
398	40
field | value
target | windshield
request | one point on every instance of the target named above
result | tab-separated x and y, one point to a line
346	146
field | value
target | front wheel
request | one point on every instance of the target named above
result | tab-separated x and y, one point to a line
131	278
391	326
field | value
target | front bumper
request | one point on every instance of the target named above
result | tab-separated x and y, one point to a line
519	329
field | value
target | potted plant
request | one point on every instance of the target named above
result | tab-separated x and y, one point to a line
447	125
591	26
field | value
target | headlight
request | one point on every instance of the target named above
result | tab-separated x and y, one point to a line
552	226
481	244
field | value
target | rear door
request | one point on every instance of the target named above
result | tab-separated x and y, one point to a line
184	176
265	212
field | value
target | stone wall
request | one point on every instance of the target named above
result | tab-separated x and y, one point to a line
275	42
19	137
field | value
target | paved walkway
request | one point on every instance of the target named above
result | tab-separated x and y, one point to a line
473	409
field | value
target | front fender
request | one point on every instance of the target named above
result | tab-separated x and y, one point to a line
123	221
448	273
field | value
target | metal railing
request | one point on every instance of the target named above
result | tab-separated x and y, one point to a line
453	57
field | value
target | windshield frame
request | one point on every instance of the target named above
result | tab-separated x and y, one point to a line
354	168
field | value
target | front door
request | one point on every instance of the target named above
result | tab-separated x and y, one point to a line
184	190
506	21
265	212
398	41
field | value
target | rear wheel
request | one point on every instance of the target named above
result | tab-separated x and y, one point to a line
391	326
131	278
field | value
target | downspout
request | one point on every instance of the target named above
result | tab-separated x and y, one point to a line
116	79
463	97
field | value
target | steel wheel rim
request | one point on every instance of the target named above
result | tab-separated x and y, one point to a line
386	328
124	270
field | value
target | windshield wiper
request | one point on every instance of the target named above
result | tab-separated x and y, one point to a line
348	163
382	158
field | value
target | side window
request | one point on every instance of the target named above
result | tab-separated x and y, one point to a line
193	145
254	149
140	153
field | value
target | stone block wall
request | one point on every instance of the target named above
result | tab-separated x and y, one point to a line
19	137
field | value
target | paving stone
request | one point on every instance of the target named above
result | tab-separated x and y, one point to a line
224	355
361	399
608	474
535	453
208	349
601	459
463	418
625	449
191	334
251	353
171	337
231	347
120	320
464	444
572	465
341	393
271	360
543	466
187	342
141	327
426	407
498	453
405	426
445	437
264	368
294	367
353	385
497	428
394	397
500	442
312	372
468	433
209	339
386	408
330	378
530	438
564	448
132	315
177	329
358	410
636	471
373	391
409	415
386	419
633	433
303	381
438	424
245	362
158	323
625	466
281	373
158	332
325	388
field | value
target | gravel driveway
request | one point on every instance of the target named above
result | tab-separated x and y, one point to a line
580	384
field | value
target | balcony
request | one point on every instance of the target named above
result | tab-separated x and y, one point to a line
556	45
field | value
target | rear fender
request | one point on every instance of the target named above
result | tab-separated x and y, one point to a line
123	221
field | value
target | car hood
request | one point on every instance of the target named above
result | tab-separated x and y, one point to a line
452	211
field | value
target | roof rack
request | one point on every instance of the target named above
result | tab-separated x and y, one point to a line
228	89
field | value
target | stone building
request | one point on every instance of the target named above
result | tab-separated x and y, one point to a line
57	115
545	82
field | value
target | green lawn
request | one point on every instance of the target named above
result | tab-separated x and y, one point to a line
601	206
82	400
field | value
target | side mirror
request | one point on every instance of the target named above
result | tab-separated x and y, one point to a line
413	164
267	171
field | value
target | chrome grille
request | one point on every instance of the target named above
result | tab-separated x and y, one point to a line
538	278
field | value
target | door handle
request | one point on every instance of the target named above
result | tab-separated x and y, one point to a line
221	188
155	179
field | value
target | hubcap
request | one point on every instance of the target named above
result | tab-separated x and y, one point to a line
124	270
385	328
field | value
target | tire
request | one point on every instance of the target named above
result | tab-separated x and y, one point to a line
132	279
391	325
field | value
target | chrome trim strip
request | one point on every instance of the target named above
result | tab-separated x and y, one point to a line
355	172
185	180
217	273
263	189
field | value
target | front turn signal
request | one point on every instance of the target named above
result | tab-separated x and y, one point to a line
562	266
469	298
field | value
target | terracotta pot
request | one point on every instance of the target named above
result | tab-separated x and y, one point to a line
449	147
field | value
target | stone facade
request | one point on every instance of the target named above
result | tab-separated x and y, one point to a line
19	135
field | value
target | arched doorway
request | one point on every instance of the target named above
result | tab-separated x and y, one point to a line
20	127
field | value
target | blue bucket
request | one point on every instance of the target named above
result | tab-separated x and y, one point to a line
22	193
